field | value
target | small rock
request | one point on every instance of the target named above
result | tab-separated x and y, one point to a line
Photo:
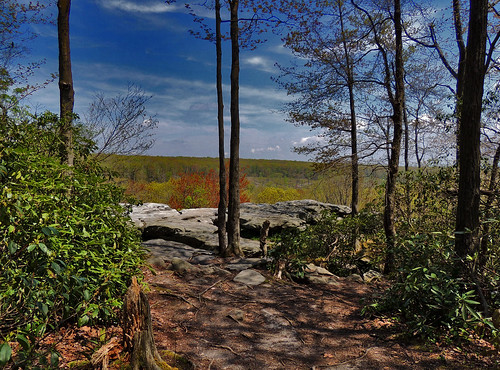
322	279
179	265
239	266
355	277
312	268
236	315
249	277
371	275
156	261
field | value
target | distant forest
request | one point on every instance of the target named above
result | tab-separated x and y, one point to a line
149	178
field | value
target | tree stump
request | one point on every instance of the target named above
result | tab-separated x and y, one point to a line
138	338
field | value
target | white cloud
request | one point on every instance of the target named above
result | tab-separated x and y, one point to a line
276	148
261	63
309	140
140	7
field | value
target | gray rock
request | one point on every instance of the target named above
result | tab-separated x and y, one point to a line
179	265
170	249
355	277
283	215
197	228
372	275
150	212
156	261
241	264
249	277
238	266
322	279
313	269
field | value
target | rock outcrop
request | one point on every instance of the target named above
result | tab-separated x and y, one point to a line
197	227
186	240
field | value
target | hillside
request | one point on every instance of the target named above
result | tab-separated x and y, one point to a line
150	178
161	169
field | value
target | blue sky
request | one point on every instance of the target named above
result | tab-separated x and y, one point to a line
145	42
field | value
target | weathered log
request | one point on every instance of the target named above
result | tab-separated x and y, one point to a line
138	338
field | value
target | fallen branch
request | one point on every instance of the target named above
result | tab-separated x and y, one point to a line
100	359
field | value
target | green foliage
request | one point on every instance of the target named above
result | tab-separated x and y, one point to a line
428	293
272	195
425	201
330	243
431	292
67	251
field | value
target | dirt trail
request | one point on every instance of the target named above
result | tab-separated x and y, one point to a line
219	324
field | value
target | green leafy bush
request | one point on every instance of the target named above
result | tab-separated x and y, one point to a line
67	249
428	294
333	243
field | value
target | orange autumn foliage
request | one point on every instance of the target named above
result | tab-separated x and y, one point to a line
201	190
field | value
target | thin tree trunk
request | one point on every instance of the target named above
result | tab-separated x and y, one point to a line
417	154
66	92
352	109
221	218
487	208
392	173
407	138
233	221
467	223
457	22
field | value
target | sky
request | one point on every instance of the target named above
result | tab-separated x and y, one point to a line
115	43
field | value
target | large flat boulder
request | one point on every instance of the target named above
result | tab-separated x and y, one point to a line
285	215
197	227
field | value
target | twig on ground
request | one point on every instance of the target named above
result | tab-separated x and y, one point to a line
210	287
228	348
178	297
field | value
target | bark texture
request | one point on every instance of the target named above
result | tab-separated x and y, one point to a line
138	332
467	223
221	218
233	221
398	103
66	92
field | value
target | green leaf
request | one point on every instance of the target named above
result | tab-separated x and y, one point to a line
44	308
56	267
44	248
86	295
31	247
5	353
54	359
23	341
83	320
13	247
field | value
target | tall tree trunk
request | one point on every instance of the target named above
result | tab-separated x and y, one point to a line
352	110
397	118
233	221
457	22
407	138
66	92
221	218
467	223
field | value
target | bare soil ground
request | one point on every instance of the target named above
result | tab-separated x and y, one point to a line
220	324
216	323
